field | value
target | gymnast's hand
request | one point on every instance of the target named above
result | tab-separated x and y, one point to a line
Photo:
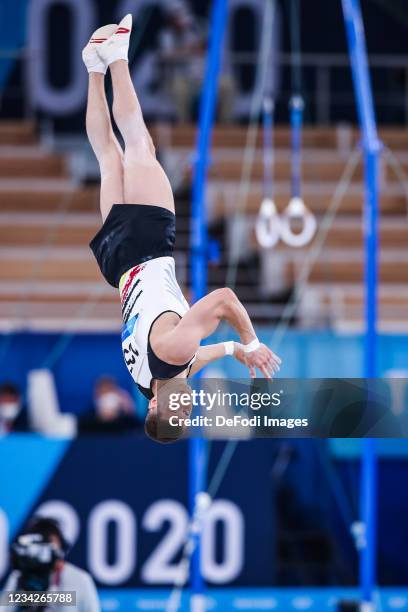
262	358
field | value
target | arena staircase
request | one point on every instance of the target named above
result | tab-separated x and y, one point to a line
49	280
334	294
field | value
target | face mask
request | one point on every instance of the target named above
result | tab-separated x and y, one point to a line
9	411
108	405
108	401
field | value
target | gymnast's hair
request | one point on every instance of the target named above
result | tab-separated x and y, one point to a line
158	429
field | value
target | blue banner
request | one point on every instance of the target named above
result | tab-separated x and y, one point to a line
123	504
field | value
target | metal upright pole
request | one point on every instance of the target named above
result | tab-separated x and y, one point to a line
199	252
296	104
372	148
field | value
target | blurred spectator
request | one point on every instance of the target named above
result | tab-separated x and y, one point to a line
114	410
182	51
12	417
38	560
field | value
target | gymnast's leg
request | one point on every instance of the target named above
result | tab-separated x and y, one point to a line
105	145
144	181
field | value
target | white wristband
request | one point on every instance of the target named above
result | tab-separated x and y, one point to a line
252	346
229	347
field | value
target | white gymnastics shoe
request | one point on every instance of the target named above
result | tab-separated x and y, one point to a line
90	56
117	46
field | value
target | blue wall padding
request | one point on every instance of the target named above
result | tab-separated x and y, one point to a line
305	354
13	18
27	463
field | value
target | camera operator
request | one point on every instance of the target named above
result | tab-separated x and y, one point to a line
38	560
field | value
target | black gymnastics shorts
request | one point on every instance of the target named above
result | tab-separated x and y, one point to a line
130	235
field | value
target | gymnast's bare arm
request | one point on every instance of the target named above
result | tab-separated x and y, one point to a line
213	352
207	354
180	343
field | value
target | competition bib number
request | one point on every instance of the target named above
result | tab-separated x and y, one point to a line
129	347
130	354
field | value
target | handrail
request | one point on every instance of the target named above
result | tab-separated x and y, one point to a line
380	60
320	95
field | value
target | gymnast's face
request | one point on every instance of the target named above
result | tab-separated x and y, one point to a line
153	404
165	405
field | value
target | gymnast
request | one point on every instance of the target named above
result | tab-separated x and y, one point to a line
161	334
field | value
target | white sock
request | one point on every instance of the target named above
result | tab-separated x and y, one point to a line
90	55
117	46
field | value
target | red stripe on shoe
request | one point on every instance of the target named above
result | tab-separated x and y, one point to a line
122	31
